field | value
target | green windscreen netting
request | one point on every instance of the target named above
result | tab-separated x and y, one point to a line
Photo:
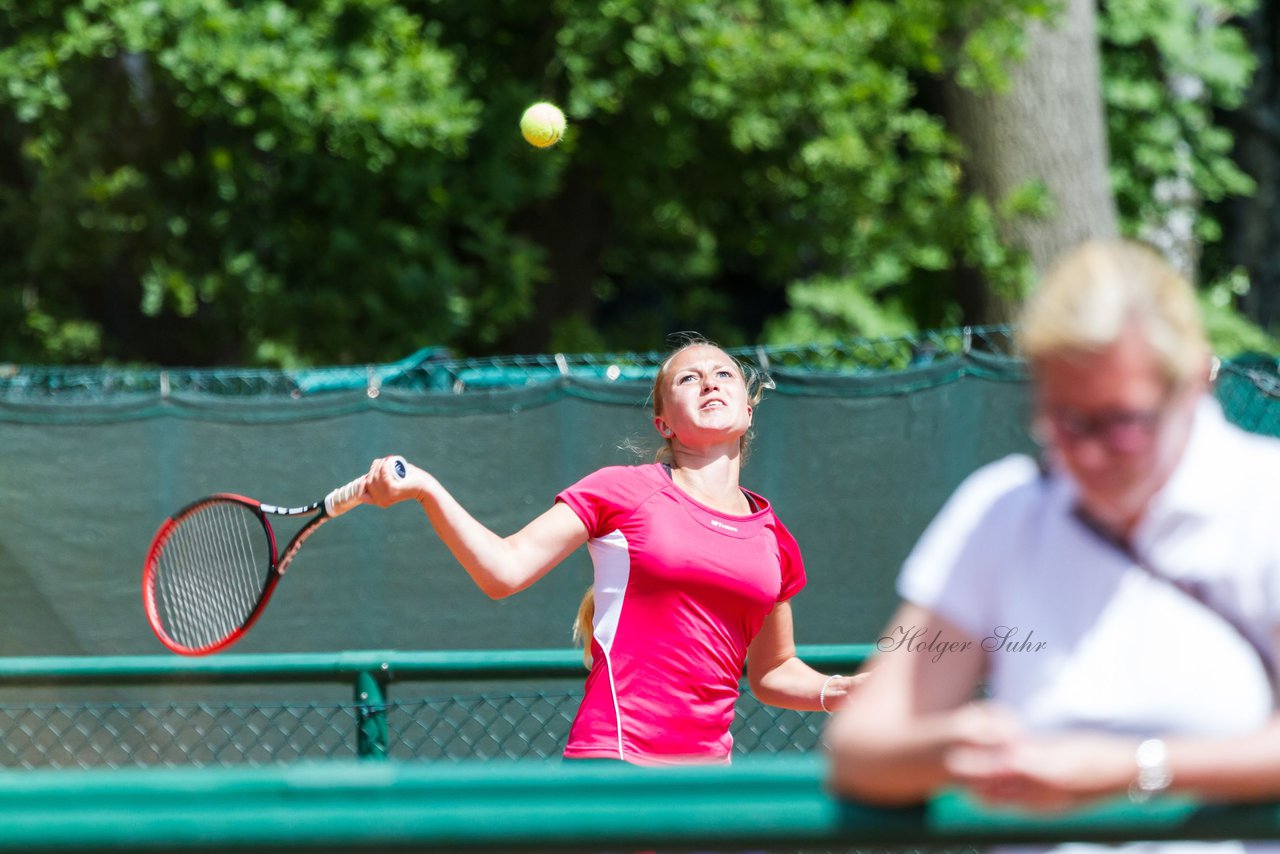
858	444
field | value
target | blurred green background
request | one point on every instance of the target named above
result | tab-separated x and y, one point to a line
208	182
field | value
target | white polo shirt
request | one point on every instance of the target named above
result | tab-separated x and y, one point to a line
1079	636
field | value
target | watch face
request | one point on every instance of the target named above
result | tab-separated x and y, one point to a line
1153	766
1151	753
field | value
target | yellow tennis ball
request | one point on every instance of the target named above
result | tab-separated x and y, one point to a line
542	124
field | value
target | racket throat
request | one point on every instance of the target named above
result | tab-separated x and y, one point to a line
295	545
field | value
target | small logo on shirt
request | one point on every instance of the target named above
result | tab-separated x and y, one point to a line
720	524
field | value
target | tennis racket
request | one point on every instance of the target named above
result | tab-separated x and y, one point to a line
212	566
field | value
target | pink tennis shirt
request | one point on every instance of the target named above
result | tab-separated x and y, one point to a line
680	591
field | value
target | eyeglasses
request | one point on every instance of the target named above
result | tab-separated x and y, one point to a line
1119	429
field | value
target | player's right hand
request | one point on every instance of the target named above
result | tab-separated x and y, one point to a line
385	486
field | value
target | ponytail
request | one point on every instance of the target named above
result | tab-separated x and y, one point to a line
583	625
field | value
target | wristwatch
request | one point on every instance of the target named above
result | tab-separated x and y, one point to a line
1154	775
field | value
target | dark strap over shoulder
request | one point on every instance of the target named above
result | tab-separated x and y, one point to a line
1189	588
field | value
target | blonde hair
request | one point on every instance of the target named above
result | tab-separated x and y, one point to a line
582	628
1093	292
756	381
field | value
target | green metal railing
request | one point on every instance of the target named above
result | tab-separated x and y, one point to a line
531	722
351	804
757	803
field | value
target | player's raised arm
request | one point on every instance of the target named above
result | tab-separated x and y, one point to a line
500	566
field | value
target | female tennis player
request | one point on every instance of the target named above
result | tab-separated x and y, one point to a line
693	575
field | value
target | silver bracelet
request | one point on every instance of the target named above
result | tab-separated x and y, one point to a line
822	693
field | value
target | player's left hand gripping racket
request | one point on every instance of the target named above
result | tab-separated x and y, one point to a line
212	565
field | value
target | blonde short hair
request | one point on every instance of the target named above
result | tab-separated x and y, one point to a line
1091	295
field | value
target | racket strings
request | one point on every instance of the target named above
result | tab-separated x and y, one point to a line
211	573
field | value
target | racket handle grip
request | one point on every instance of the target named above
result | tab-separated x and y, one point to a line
344	498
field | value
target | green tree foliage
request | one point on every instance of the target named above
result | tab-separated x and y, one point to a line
201	181
1169	65
1172	67
206	181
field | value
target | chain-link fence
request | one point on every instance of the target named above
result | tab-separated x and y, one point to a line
455	725
511	725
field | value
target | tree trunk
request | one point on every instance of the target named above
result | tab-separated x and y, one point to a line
1048	127
573	227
